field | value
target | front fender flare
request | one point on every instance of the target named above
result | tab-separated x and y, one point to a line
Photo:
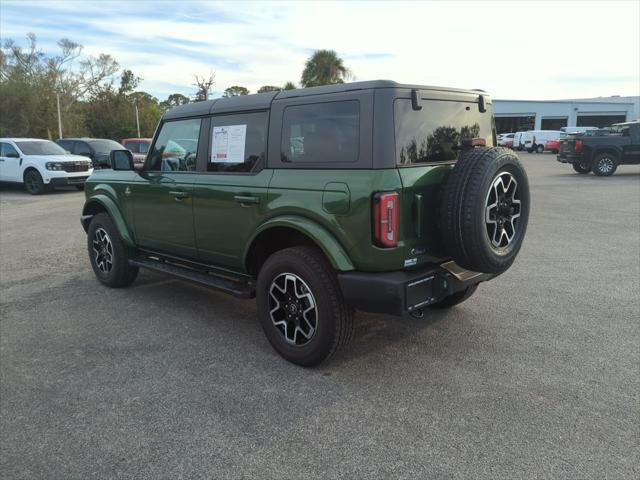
114	212
321	236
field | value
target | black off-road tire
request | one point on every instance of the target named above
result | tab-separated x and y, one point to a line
540	149
604	164
120	274
581	168
33	182
455	298
465	232
334	319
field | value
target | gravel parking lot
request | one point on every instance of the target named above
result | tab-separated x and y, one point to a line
536	376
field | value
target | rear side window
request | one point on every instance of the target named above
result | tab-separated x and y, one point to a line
436	133
321	133
238	142
176	147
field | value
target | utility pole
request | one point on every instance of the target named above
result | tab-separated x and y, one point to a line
135	102
59	117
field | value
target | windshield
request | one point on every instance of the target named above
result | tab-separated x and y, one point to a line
45	147
105	146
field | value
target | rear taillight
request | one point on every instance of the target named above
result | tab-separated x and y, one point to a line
577	147
386	209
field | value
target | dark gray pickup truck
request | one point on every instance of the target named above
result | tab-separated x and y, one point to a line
601	152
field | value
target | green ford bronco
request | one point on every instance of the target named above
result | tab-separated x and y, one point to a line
374	196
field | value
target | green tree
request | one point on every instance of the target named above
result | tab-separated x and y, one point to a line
324	67
235	91
289	86
174	100
268	88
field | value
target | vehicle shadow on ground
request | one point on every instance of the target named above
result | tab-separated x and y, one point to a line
233	320
19	189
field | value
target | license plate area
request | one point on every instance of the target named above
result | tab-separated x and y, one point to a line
420	293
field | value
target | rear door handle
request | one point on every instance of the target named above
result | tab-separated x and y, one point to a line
179	195
246	199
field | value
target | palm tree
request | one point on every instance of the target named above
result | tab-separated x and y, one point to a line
324	67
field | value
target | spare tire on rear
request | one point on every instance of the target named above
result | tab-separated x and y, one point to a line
485	209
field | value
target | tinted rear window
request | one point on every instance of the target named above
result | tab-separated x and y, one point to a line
321	132
435	133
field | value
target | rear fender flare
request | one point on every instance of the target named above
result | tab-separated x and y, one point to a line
329	245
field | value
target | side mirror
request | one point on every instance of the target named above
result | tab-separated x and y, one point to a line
13	155
121	159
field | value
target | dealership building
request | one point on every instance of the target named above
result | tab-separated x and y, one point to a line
522	115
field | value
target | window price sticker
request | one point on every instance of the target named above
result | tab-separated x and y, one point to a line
228	144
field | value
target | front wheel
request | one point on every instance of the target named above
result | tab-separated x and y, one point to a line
300	306
455	298
581	167
604	164
108	254
33	182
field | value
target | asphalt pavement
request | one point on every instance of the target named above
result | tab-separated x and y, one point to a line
536	376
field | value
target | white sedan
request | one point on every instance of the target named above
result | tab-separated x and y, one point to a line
41	165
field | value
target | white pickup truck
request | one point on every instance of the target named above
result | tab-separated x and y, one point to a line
41	165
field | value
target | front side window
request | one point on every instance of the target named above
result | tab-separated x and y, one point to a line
7	150
238	142
176	147
321	133
45	147
438	131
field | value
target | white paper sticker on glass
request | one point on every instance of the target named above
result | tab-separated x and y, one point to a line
228	144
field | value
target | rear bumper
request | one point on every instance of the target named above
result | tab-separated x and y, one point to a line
402	292
569	158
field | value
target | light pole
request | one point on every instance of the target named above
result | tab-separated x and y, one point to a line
59	117
135	102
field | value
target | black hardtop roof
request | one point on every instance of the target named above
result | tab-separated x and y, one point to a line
262	101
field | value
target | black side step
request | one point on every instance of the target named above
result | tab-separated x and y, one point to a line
235	288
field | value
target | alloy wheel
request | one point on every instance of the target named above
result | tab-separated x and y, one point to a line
102	250
293	309
605	165
502	210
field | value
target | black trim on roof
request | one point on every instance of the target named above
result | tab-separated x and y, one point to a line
262	101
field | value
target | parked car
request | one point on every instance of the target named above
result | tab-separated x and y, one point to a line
41	165
552	146
312	203
506	139
97	149
534	139
518	141
139	147
601	151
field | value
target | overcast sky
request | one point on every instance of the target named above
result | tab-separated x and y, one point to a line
520	50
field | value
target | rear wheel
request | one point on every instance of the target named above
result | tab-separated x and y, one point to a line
604	164
581	167
485	210
540	149
33	182
455	298
108	254
300	306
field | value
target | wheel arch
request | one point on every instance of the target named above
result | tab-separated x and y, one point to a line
101	203
283	232
611	150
